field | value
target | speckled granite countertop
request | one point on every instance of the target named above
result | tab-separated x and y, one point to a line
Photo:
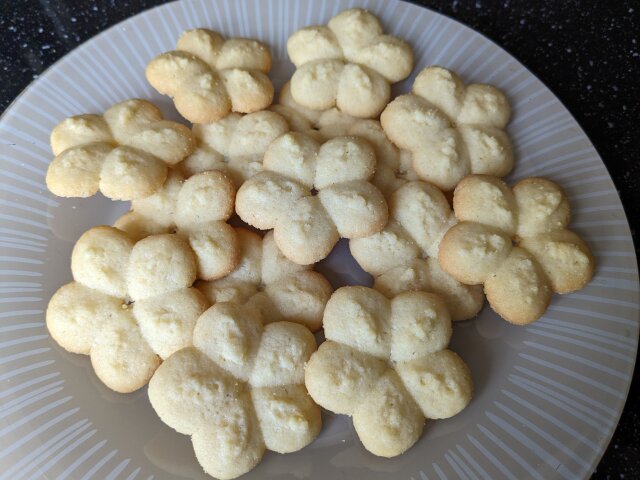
587	52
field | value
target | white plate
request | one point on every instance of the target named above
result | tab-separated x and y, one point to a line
548	396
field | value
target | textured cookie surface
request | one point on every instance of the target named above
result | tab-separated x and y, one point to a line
350	63
394	166
130	304
386	364
124	153
451	129
239	390
266	280
515	242
197	209
398	261
207	76
312	194
401	256
235	144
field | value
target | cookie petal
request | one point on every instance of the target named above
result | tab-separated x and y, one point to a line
300	298
420	325
99	260
229	334
79	130
280	358
564	257
130	174
542	206
339	377
160	264
389	422
76	314
289	419
471	252
384	250
488	201
359	317
264	198
519	290
306	234
167	321
314	85
120	355
357	208
76	171
440	383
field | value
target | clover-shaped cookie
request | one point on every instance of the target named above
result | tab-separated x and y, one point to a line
311	195
239	390
451	129
265	279
349	63
394	166
515	242
130	304
401	256
197	209
234	144
123	153
386	364
208	76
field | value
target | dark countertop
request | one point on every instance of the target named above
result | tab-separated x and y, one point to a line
587	52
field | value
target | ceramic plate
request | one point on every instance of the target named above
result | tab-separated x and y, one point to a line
548	396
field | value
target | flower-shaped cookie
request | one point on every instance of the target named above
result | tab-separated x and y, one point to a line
130	304
451	129
514	241
239	390
386	364
265	279
197	209
349	63
234	144
311	195
419	216
208	76
123	153
394	166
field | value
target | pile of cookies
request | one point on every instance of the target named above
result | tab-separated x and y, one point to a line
218	319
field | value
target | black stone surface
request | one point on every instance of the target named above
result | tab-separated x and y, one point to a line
587	52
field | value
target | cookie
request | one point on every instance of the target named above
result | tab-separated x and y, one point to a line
386	364
312	194
394	166
197	209
239	390
234	144
399	257
451	129
124	153
350	63
208	77
130	304
266	280
515	242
